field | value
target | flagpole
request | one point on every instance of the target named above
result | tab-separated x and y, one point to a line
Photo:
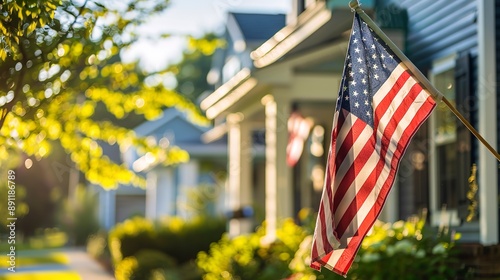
438	96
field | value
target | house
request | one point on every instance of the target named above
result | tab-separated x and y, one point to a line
299	69
168	188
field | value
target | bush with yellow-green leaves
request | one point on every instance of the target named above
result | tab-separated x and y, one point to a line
141	248
247	257
403	250
400	250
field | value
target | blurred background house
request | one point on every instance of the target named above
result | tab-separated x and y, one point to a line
298	70
168	187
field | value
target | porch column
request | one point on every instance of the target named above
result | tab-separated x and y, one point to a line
240	170
488	166
188	180
107	207
151	185
279	191
160	193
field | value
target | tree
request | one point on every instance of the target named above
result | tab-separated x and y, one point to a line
192	71
64	83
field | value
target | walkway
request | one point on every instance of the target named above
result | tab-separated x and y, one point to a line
85	266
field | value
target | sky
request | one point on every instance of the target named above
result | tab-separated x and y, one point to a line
190	17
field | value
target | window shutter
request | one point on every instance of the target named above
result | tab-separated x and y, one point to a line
464	104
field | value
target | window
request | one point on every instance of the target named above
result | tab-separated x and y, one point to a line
443	143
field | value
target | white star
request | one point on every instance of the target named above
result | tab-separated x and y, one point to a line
351	73
368	113
365	92
363	81
356	50
373	46
353	83
349	65
375	66
390	56
363	38
353	32
382	56
375	76
356	105
355	93
374	56
344	88
346	97
355	41
360	60
383	65
366	102
361	70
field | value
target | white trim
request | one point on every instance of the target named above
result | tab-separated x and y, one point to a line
226	88
281	36
487	165
283	47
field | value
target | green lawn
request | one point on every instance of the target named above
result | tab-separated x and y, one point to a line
45	275
27	258
37	257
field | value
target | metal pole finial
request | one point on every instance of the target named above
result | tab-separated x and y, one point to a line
354	4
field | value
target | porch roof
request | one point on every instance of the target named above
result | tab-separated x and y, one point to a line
316	30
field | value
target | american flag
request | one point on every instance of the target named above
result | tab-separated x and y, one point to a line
379	108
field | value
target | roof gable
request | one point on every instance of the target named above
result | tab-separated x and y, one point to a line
170	116
259	27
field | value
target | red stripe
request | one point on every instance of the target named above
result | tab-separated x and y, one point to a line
356	166
330	173
353	134
400	111
387	100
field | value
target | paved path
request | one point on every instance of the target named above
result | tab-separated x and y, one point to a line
85	266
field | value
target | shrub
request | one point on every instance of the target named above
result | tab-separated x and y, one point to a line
245	257
403	250
79	216
146	264
177	238
131	236
184	240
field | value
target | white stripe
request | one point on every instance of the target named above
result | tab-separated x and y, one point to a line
334	258
341	134
327	222
356	148
388	84
361	175
394	105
